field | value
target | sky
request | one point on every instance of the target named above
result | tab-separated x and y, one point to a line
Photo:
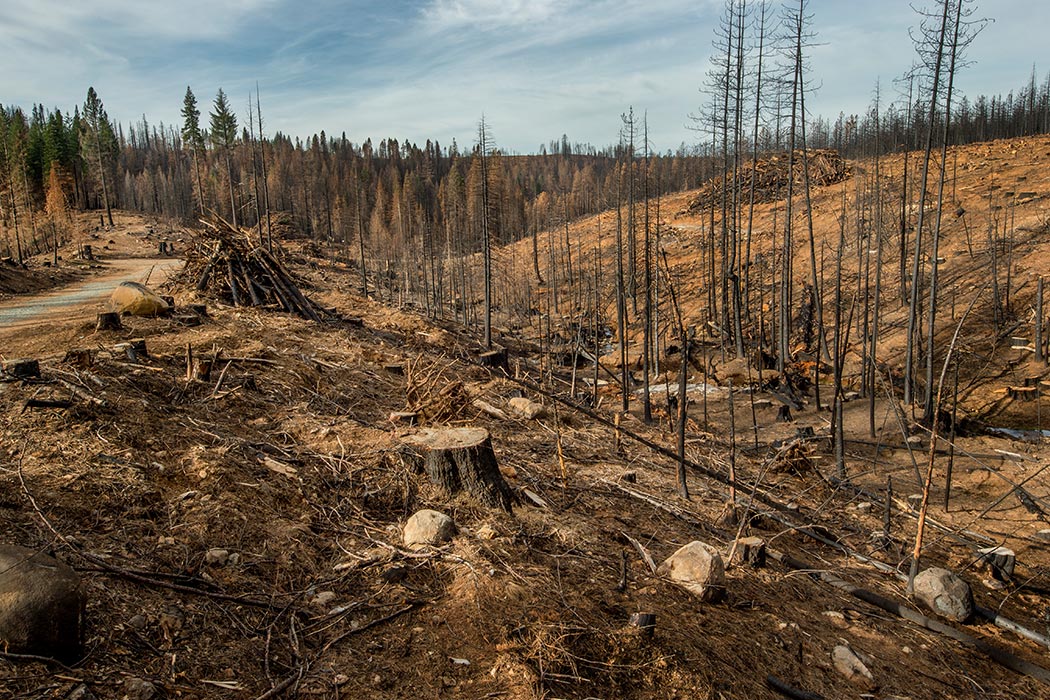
429	69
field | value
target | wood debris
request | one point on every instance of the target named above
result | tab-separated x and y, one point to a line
226	265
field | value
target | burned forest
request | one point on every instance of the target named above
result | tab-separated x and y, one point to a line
756	416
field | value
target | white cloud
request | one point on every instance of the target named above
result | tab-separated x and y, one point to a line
442	15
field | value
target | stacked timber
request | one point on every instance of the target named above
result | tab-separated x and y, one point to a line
227	266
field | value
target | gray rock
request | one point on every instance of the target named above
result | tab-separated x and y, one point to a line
216	557
428	527
139	689
522	407
698	568
81	692
849	665
41	605
945	594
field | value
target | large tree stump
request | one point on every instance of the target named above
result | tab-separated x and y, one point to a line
462	458
108	321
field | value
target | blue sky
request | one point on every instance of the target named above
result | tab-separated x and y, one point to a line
419	69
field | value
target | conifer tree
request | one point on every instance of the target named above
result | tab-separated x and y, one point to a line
93	121
193	139
224	137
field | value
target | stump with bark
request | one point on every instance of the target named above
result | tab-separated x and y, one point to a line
462	459
108	321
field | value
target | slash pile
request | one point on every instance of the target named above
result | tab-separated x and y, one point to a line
770	177
226	265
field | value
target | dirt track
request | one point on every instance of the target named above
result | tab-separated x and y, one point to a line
78	302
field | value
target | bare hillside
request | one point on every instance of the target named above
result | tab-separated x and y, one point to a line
240	532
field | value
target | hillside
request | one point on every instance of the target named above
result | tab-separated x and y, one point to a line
241	535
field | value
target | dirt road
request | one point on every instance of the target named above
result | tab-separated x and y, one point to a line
79	302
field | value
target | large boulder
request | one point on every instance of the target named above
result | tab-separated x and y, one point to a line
945	594
698	568
41	605
137	299
428	527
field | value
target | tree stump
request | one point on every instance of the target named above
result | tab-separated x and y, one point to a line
999	560
108	321
1023	393
200	369
199	309
23	368
134	350
494	358
784	414
79	357
462	458
750	551
187	319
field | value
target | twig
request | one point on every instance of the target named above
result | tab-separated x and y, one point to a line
283	685
642	552
369	625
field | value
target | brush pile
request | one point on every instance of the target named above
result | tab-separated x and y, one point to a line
826	167
225	265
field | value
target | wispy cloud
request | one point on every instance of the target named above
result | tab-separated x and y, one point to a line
441	15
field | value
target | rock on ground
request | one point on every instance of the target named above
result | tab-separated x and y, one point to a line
520	407
136	299
945	594
849	665
428	527
41	605
698	568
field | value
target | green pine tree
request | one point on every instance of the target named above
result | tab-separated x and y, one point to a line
94	122
193	139
224	137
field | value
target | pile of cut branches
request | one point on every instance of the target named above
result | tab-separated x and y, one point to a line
826	167
226	265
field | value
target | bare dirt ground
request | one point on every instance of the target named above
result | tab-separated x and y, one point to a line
40	304
286	460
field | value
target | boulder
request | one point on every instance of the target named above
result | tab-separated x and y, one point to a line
428	527
698	568
521	407
136	299
945	594
41	605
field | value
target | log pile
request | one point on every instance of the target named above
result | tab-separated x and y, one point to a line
226	265
826	167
